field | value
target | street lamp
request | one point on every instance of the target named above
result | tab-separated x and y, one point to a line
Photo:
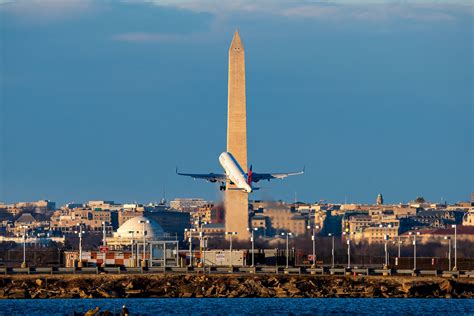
80	233
332	250
190	239
414	247
253	244
399	247
144	222
386	237
348	247
287	251
230	245
399	243
205	238
25	227
104	234
455	268
313	239
132	263
200	225
449	250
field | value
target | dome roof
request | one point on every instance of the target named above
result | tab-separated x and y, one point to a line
152	228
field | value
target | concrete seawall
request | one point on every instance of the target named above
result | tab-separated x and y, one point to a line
160	285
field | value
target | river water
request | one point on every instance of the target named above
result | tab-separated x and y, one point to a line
242	306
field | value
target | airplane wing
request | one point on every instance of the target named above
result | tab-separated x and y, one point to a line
211	177
269	176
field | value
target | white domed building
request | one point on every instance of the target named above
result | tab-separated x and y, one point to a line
126	246
132	230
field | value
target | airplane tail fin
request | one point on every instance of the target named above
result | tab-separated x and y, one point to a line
249	176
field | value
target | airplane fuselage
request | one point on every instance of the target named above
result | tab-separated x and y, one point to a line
235	175
234	171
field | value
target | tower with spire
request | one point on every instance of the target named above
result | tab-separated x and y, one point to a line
236	201
379	199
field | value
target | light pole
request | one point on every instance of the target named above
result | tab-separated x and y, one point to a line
190	239
313	239
104	234
414	247
449	250
204	255
144	222
287	250
399	243
23	264
199	224
230	245
386	237
399	247
80	233
253	244
455	268
348	234
332	250
132	262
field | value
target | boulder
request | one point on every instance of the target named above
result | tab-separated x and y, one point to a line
18	294
446	286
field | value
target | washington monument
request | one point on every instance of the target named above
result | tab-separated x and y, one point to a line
236	202
237	180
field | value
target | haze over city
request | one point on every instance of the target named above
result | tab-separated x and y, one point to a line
102	100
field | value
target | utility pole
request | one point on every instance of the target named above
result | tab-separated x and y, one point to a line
190	240
332	250
287	250
230	246
23	264
313	239
414	234
348	234
144	222
132	261
104	235
80	233
449	251
455	268
252	240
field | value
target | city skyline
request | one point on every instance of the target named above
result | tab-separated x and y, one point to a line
105	109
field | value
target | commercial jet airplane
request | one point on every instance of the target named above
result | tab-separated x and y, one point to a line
236	175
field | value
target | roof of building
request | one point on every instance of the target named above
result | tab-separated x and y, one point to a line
135	225
25	218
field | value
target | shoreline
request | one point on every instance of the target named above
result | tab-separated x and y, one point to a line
229	286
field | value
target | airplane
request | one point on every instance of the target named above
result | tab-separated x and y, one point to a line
234	174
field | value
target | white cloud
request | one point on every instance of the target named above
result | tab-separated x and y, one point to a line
363	10
147	37
37	11
372	10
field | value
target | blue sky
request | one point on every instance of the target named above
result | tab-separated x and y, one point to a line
103	99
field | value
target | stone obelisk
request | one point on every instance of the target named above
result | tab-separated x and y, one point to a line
236	202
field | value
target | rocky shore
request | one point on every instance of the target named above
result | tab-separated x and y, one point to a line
158	285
